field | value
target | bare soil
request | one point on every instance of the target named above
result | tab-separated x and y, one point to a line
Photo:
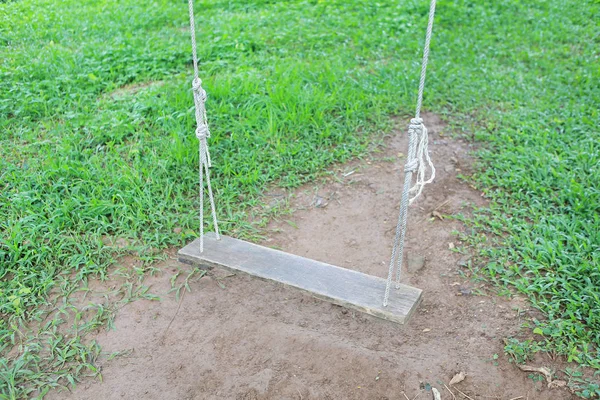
235	337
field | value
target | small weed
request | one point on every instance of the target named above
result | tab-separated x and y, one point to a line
520	352
584	387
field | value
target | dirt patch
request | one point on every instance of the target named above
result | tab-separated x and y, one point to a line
235	337
133	88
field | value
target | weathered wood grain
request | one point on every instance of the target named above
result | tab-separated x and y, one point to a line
345	287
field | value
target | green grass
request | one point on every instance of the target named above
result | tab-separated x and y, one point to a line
293	87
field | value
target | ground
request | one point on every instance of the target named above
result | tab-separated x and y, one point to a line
98	179
244	338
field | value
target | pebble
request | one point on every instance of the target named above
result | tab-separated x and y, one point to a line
415	263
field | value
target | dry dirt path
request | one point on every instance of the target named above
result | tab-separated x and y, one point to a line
243	338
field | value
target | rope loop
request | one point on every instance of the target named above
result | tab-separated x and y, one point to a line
424	162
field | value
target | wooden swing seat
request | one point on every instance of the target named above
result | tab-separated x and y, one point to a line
341	286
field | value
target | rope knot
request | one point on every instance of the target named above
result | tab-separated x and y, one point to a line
197	88
411	166
415	123
196	84
202	131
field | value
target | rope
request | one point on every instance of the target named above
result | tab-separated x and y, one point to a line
425	58
417	162
202	133
421	157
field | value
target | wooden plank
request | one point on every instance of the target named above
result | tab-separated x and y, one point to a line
338	285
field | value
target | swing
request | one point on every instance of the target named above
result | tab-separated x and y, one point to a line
348	288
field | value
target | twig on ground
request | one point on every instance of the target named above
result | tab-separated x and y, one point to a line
470	398
434	210
448	389
174	315
441	205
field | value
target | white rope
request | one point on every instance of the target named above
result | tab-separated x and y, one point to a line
422	157
202	133
417	161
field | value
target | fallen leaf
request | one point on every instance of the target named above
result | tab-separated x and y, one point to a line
557	384
320	202
437	215
457	378
464	261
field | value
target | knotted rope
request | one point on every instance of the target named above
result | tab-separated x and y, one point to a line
202	133
417	161
421	157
